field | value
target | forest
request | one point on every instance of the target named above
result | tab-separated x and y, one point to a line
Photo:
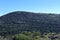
21	25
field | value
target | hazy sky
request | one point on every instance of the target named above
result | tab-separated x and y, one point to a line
44	6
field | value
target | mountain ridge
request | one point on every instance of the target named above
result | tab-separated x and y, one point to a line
18	21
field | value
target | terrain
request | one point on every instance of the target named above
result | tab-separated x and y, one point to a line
22	25
18	21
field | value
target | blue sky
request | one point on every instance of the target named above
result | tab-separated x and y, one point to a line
42	6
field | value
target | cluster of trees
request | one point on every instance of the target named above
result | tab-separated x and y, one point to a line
16	22
36	36
32	36
28	21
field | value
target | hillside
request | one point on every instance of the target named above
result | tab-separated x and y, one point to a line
18	21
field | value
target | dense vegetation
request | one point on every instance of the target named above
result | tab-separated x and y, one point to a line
33	36
36	36
19	21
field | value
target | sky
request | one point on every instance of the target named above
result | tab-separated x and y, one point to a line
39	6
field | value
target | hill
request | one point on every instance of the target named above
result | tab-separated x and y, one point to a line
16	22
